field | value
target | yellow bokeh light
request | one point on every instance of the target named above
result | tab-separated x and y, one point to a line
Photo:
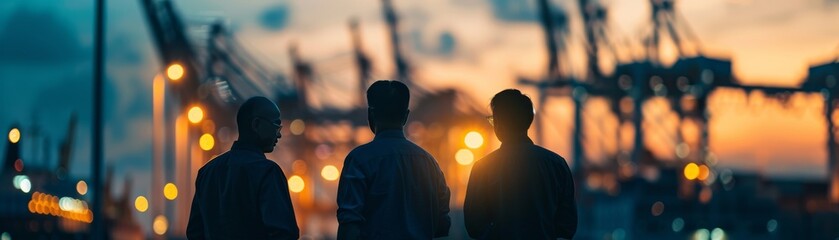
81	187
141	204
297	127
207	142
296	184
704	172
691	171
195	114
175	71
330	173
473	140
160	225
464	157
170	191
14	135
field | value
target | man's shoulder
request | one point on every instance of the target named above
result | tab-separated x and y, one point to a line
241	158
214	161
547	152
380	148
489	159
534	151
361	150
550	156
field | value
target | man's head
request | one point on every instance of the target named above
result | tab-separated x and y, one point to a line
387	103
512	114
259	123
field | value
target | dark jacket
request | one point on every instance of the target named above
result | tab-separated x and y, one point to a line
393	189
520	191
241	195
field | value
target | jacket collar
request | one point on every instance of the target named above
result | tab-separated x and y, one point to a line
241	146
390	133
521	141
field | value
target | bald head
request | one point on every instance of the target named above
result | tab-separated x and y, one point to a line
259	123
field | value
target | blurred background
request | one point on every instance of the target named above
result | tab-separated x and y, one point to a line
680	119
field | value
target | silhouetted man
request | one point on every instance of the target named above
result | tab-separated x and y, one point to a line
520	191
241	194
391	188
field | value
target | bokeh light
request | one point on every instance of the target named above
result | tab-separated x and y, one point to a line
473	140
678	224
64	207
717	234
25	185
296	184
160	225
657	209
207	142
330	173
175	71
170	191
771	225
17	179
14	135
701	234
141	204
691	171
704	172
195	114
297	127
19	165
81	187
464	157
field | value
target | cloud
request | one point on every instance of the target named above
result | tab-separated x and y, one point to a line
38	36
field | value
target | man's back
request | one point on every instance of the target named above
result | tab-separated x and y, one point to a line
394	190
241	195
521	191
